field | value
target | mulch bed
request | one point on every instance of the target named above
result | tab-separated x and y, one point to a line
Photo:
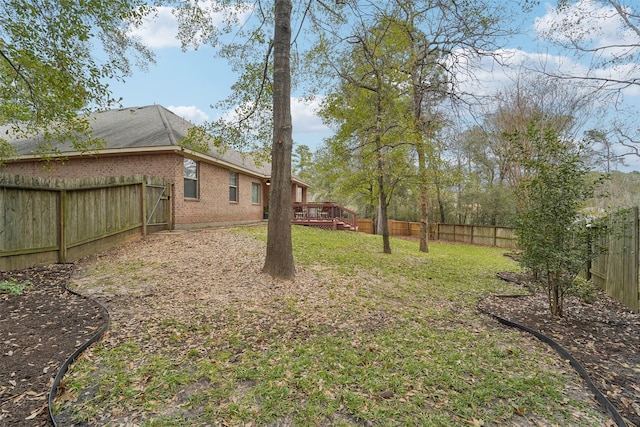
603	336
41	328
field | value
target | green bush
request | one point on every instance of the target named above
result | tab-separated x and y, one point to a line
554	185
11	287
583	289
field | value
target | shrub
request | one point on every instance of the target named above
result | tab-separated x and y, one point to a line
583	289
555	183
11	287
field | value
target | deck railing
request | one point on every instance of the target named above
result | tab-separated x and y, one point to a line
325	215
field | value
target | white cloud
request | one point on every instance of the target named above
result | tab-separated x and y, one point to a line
305	118
308	128
160	29
590	24
190	113
492	72
486	75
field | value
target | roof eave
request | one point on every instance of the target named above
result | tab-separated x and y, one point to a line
147	150
210	159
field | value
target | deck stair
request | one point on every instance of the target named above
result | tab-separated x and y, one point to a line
327	215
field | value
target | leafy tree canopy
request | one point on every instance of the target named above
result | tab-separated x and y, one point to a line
55	60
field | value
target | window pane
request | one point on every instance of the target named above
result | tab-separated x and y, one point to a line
191	188
233	187
255	193
190	169
190	178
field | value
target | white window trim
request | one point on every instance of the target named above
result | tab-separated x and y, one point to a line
196	179
236	186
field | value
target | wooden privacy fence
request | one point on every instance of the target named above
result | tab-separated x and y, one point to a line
501	237
44	221
616	270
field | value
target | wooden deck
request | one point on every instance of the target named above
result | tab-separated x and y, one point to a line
327	215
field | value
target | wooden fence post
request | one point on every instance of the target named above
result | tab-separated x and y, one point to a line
62	226
636	261
143	205
170	205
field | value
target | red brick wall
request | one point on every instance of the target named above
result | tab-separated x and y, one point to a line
212	206
162	165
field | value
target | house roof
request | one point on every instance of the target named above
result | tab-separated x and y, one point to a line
146	129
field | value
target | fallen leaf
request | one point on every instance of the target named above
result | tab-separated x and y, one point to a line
36	412
386	394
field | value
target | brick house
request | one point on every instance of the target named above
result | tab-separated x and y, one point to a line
207	188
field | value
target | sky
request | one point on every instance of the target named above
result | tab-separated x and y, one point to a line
190	82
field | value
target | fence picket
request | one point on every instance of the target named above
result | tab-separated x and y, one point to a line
54	220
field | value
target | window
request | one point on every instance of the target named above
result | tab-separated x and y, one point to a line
233	187
255	193
190	179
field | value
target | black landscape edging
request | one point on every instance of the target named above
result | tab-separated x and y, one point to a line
65	366
564	353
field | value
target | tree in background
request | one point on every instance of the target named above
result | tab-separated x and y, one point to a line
368	108
486	172
605	34
565	106
437	36
49	71
550	195
302	161
481	197
339	175
431	39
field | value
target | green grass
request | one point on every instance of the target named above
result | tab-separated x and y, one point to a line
399	342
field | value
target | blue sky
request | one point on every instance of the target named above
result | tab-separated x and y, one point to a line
188	83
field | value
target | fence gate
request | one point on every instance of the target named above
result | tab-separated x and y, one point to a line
158	198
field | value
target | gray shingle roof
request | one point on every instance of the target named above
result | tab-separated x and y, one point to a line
149	127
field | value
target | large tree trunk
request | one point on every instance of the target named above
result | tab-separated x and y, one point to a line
383	217
384	222
418	94
279	260
424	197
